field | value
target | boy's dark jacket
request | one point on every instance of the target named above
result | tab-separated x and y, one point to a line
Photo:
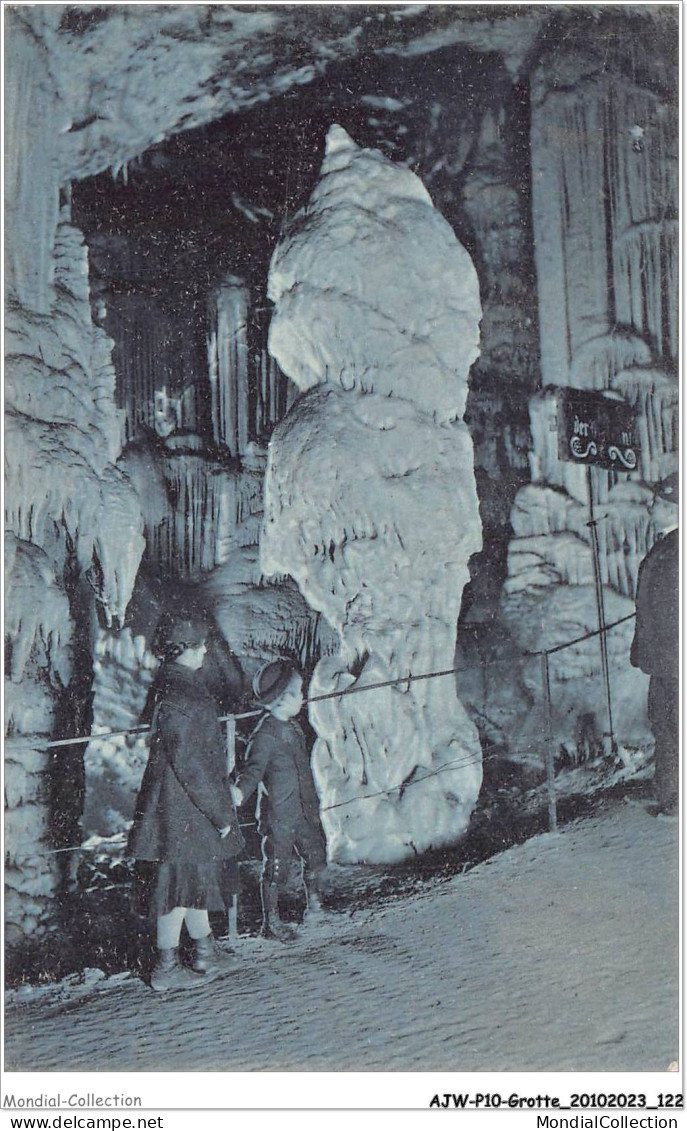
277	756
184	799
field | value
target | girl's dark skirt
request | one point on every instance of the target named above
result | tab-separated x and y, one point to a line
160	885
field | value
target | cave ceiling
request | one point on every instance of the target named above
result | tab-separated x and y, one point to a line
215	199
192	178
130	76
199	127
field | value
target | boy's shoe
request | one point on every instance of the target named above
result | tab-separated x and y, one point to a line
169	974
671	818
314	913
210	959
272	925
276	929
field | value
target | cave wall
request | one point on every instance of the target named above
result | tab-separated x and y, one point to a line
604	173
74	517
71	517
86	92
472	152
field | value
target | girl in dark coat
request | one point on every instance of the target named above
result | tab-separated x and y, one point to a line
185	835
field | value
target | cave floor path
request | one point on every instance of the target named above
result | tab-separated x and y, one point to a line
558	954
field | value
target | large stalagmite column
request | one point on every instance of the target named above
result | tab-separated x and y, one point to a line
371	503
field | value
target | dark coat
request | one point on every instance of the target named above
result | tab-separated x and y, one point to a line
655	643
277	756
184	798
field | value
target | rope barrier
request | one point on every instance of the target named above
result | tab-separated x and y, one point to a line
454	764
432	774
80	740
406	784
580	639
115	840
20	744
119	838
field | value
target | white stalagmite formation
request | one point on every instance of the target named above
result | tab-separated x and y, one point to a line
411	316
65	503
62	434
370	495
37	618
124	669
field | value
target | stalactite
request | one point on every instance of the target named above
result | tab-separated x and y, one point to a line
625	535
597	362
228	352
61	415
118	542
32	172
261	403
655	397
275	393
549	246
645	260
148	359
605	192
273	370
605	201
213	377
298	634
199	512
584	234
541	510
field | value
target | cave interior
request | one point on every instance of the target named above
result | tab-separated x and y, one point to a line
506	117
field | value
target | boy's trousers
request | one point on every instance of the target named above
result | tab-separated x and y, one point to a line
278	845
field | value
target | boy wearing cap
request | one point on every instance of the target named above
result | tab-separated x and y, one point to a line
289	808
655	644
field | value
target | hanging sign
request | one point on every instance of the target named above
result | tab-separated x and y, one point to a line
596	429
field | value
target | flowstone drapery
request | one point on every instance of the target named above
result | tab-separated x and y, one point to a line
604	210
371	503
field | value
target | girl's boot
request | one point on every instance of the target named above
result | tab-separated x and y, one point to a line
210	959
272	925
169	974
314	911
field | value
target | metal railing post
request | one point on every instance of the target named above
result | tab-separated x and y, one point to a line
548	750
600	611
230	746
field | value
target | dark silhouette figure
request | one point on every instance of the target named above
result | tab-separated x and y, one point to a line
655	643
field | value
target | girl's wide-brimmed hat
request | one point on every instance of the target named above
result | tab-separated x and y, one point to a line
186	632
272	680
